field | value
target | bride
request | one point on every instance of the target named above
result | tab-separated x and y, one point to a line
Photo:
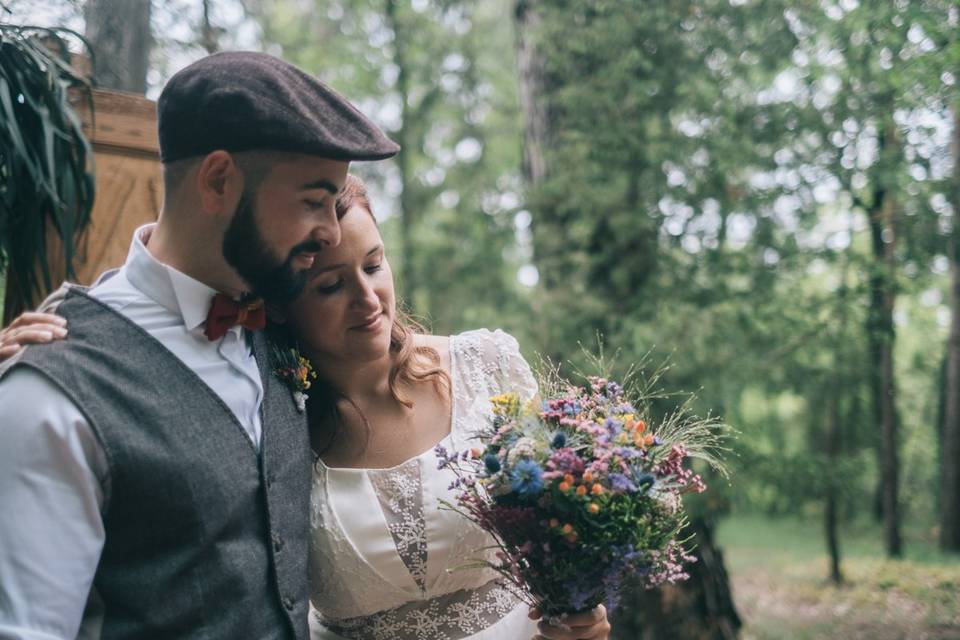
383	553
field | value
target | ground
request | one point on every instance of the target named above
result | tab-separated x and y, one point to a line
778	569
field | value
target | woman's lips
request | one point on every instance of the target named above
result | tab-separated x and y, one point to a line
373	324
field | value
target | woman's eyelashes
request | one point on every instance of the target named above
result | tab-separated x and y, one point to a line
314	204
328	289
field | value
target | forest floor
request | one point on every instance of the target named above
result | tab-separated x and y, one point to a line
778	570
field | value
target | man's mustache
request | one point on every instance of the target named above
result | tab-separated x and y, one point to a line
310	246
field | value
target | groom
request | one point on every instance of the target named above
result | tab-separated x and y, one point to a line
154	472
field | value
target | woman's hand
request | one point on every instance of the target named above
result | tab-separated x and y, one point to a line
31	328
590	625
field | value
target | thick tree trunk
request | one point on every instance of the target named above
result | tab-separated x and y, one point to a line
950	430
880	330
119	33
701	608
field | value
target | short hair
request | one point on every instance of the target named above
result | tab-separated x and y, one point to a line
255	165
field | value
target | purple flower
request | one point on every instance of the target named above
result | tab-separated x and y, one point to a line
621	483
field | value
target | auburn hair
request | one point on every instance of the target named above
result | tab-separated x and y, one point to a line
412	364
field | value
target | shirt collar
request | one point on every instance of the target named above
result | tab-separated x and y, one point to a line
171	289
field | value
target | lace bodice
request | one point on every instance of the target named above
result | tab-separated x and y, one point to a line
383	552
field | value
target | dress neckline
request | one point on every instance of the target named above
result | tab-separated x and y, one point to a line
320	465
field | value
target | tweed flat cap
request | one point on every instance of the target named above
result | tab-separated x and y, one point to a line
241	100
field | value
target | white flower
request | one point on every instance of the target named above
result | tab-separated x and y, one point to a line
301	399
522	448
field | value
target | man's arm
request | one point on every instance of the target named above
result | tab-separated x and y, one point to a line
53	473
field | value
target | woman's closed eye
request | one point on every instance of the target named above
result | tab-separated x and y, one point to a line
328	289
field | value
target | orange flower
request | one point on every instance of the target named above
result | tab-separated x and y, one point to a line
564	486
568	478
593	507
554	523
641	426
648	439
596	489
582	490
571	538
588	477
567	529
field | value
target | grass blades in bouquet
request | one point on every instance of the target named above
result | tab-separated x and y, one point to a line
580	490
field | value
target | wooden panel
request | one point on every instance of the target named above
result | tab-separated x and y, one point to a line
121	122
129	194
129	185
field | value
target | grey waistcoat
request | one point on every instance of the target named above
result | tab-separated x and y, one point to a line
204	538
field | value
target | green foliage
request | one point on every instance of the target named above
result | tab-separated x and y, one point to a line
708	178
46	178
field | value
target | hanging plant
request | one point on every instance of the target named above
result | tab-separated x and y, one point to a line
46	162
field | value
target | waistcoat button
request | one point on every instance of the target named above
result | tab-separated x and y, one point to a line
277	542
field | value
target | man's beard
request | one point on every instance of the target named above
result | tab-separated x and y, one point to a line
246	251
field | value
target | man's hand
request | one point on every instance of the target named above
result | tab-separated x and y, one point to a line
31	328
590	625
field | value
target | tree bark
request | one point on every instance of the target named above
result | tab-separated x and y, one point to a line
408	212
119	35
701	608
830	497
950	430
881	336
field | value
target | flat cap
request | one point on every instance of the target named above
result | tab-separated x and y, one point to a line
242	100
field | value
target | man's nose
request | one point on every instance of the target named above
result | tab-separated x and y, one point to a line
327	230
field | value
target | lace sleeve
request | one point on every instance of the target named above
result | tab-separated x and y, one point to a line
512	373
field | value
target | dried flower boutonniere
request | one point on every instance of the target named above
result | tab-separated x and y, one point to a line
297	372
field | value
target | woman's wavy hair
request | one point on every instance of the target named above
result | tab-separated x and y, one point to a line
412	364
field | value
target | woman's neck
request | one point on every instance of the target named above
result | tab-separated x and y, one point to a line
364	383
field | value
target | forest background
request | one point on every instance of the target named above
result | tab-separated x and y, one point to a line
761	193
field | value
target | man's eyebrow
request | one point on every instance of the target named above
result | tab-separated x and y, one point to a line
321	184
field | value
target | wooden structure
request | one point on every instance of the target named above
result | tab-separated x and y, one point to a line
123	131
129	190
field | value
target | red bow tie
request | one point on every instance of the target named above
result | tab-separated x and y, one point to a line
226	313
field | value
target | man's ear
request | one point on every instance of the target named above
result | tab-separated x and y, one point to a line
218	182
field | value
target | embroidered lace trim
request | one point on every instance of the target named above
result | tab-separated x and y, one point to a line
448	617
401	500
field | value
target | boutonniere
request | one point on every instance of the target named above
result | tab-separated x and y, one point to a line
296	372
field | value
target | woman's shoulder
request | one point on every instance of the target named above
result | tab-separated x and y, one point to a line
486	340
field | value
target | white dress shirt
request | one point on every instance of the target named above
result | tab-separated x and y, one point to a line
53	472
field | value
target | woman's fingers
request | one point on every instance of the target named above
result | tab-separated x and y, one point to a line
34	317
31	334
590	625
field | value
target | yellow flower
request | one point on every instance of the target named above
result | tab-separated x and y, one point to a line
505	403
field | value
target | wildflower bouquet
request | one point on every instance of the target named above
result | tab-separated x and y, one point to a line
581	492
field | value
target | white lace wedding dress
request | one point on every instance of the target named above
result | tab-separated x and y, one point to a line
384	554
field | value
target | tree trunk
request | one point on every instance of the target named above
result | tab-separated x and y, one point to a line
209	36
881	335
119	34
830	498
408	212
538	129
701	608
950	430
